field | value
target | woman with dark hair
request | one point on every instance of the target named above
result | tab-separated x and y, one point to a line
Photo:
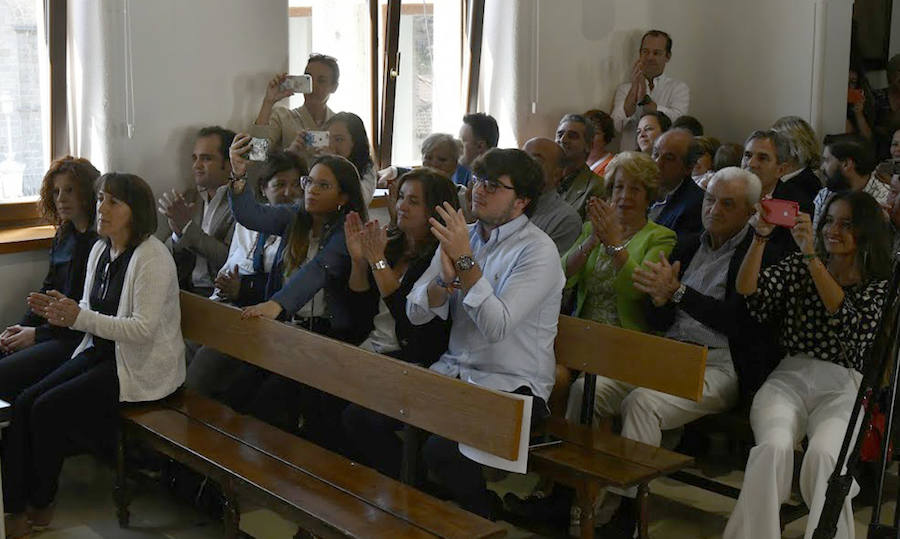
33	347
650	127
132	351
347	138
308	283
251	255
392	261
829	298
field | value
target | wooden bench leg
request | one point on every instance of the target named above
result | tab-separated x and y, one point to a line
120	490
587	494
231	515
643	497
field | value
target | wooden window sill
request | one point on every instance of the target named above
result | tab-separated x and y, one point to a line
26	238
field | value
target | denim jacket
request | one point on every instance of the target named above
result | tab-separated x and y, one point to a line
328	270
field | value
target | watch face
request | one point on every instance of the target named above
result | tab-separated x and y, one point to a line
464	263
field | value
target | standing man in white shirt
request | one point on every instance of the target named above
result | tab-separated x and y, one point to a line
649	89
200	219
500	282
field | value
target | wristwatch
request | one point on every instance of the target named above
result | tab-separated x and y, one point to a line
644	100
237	184
464	263
678	294
613	250
380	265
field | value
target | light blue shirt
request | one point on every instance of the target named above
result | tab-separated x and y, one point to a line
504	327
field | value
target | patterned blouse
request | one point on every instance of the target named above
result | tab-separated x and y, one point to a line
786	292
600	300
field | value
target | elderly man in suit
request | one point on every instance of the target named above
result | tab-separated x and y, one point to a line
200	219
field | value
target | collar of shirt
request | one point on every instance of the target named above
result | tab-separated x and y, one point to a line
497	235
791	175
706	240
659	79
606	157
669	195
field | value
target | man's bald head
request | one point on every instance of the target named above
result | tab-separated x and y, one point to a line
671	155
550	157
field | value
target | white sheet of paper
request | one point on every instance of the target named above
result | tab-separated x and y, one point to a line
520	465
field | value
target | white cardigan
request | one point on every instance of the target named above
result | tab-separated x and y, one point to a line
147	327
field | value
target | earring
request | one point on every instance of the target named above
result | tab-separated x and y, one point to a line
340	208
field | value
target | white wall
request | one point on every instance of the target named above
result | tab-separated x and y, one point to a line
194	63
747	63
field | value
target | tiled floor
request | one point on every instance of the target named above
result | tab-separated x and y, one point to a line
85	510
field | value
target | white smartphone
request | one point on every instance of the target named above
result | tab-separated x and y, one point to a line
299	84
259	149
317	139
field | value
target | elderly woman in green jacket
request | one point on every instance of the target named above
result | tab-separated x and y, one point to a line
617	238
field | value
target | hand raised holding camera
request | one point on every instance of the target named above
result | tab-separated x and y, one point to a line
237	153
276	91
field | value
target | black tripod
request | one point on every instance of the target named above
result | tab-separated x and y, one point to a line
883	359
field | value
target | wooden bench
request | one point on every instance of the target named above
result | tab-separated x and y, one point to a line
5	413
590	458
324	493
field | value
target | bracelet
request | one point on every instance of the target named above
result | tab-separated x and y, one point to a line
381	265
761	237
810	257
451	286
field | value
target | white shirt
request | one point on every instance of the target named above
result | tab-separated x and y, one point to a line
240	253
504	327
875	187
671	96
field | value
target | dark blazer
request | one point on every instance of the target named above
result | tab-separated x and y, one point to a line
68	265
422	345
682	211
328	270
806	182
754	347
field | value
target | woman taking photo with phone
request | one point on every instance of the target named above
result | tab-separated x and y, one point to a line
346	138
308	282
132	351
828	298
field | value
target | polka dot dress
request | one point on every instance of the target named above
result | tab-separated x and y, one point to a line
786	293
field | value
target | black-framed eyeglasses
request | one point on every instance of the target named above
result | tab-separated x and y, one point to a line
308	182
490	186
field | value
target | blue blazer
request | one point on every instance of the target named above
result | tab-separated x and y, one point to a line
682	211
328	270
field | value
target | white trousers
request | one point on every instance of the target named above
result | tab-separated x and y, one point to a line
802	396
646	413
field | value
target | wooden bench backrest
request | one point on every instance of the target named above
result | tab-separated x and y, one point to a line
482	418
633	357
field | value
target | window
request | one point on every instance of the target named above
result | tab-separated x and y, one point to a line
428	94
24	131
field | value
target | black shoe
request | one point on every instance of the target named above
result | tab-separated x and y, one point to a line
624	521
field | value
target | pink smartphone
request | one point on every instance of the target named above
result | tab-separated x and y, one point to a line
781	212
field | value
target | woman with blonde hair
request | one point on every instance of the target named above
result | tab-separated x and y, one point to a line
806	154
617	238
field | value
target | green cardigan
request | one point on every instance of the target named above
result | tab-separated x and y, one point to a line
646	244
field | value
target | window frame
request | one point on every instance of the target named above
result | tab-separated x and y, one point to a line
25	213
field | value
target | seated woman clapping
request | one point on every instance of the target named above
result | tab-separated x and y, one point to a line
33	348
828	298
132	351
617	239
393	260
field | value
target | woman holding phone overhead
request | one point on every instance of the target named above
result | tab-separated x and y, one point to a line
828	298
308	283
132	351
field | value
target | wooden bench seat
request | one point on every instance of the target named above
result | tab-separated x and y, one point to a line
324	493
590	458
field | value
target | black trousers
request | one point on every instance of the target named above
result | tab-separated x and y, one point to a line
26	367
51	419
377	445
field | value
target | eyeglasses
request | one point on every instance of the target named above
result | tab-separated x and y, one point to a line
308	182
490	186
